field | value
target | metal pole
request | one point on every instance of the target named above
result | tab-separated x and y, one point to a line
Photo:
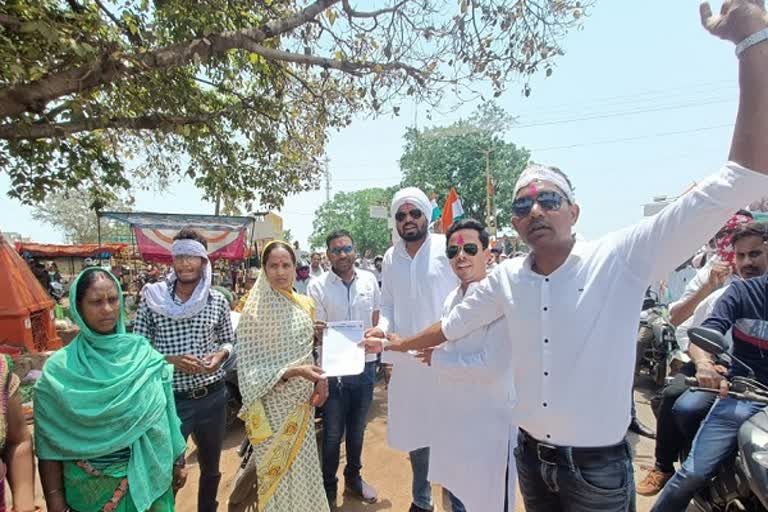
327	179
98	232
490	218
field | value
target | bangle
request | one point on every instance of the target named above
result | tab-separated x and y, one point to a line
756	38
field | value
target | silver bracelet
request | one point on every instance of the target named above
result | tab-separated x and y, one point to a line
756	38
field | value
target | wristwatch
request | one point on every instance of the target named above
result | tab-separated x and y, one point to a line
756	38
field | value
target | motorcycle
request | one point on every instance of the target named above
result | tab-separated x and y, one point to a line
656	341
56	290
741	483
234	398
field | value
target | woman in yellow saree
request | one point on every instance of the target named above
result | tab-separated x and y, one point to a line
281	386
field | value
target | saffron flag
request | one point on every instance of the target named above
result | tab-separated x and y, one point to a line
453	210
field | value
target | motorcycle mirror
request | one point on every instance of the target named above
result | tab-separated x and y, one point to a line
708	340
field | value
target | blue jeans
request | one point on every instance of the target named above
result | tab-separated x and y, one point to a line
345	415
421	488
690	410
603	487
714	443
205	420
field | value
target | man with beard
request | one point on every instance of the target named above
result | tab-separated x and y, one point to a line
571	305
416	279
680	410
190	324
346	293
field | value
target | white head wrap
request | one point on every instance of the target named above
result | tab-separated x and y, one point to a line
536	172
159	297
415	197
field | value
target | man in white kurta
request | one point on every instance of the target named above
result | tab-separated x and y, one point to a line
416	279
473	414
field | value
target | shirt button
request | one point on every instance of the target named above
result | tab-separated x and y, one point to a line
546	308
544	404
546	340
546	374
547	279
549	436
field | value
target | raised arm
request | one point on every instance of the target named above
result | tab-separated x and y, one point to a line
739	20
657	244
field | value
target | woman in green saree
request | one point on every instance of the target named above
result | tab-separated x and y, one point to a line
106	430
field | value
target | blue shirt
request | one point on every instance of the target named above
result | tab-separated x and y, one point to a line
744	307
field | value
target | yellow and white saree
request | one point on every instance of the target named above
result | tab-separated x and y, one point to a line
276	333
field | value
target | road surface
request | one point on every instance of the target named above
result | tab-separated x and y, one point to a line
389	470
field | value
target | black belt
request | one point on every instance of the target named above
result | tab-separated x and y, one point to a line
573	456
197	394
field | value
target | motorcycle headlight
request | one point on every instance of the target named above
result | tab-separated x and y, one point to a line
761	458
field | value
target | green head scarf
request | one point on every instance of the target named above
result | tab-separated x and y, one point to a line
104	393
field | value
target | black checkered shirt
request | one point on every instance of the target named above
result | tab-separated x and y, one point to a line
205	333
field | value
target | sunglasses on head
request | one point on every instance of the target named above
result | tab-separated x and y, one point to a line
469	249
548	200
415	214
347	249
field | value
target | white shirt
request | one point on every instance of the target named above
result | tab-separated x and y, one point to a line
334	302
301	285
574	331
701	313
412	297
696	284
474	408
316	273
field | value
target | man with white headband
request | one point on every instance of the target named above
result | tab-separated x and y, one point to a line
190	324
416	278
572	305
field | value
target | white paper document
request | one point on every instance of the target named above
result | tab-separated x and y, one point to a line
341	353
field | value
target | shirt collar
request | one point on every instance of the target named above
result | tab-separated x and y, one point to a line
575	254
334	277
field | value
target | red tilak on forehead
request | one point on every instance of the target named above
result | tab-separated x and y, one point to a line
532	189
460	240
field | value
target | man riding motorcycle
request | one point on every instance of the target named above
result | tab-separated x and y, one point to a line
743	309
680	412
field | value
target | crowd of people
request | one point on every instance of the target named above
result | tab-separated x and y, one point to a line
506	371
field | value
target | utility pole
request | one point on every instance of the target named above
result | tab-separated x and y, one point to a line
327	179
490	212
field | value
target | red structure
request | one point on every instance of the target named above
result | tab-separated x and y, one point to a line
26	309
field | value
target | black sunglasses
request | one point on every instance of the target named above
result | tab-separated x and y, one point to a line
453	250
548	200
415	215
347	249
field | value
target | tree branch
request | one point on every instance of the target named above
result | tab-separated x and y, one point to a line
19	131
35	95
133	38
372	14
10	21
352	68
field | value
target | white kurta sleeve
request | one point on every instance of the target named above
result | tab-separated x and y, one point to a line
479	308
387	310
442	358
660	243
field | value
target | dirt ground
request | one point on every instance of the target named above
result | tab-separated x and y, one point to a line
388	470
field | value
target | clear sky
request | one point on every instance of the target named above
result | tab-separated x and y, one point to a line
642	104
